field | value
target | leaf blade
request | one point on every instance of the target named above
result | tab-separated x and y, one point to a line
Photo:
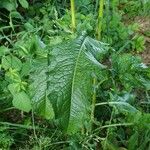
22	102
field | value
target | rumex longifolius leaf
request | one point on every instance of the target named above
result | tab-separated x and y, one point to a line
70	79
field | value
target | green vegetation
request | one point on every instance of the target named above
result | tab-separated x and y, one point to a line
71	75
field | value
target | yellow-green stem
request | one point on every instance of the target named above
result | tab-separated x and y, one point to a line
99	29
100	18
93	99
73	14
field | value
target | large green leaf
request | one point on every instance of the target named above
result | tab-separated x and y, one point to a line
70	80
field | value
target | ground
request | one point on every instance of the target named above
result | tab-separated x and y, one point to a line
144	23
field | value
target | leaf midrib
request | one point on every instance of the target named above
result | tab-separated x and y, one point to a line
74	72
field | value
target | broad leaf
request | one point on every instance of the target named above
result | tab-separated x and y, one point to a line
21	101
122	103
70	80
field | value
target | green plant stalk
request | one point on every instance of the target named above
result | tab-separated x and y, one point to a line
99	29
107	19
93	99
73	15
100	18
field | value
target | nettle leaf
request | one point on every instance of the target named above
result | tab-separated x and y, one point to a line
3	50
24	3
70	80
11	62
14	88
22	102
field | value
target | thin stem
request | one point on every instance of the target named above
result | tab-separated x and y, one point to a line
107	19
117	125
7	109
93	103
110	103
73	15
34	128
100	18
114	125
33	125
108	130
93	99
14	125
99	29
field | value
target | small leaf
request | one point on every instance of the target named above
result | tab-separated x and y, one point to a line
11	62
133	141
8	5
45	109
3	50
146	83
24	3
28	26
26	68
122	103
14	88
22	102
15	14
